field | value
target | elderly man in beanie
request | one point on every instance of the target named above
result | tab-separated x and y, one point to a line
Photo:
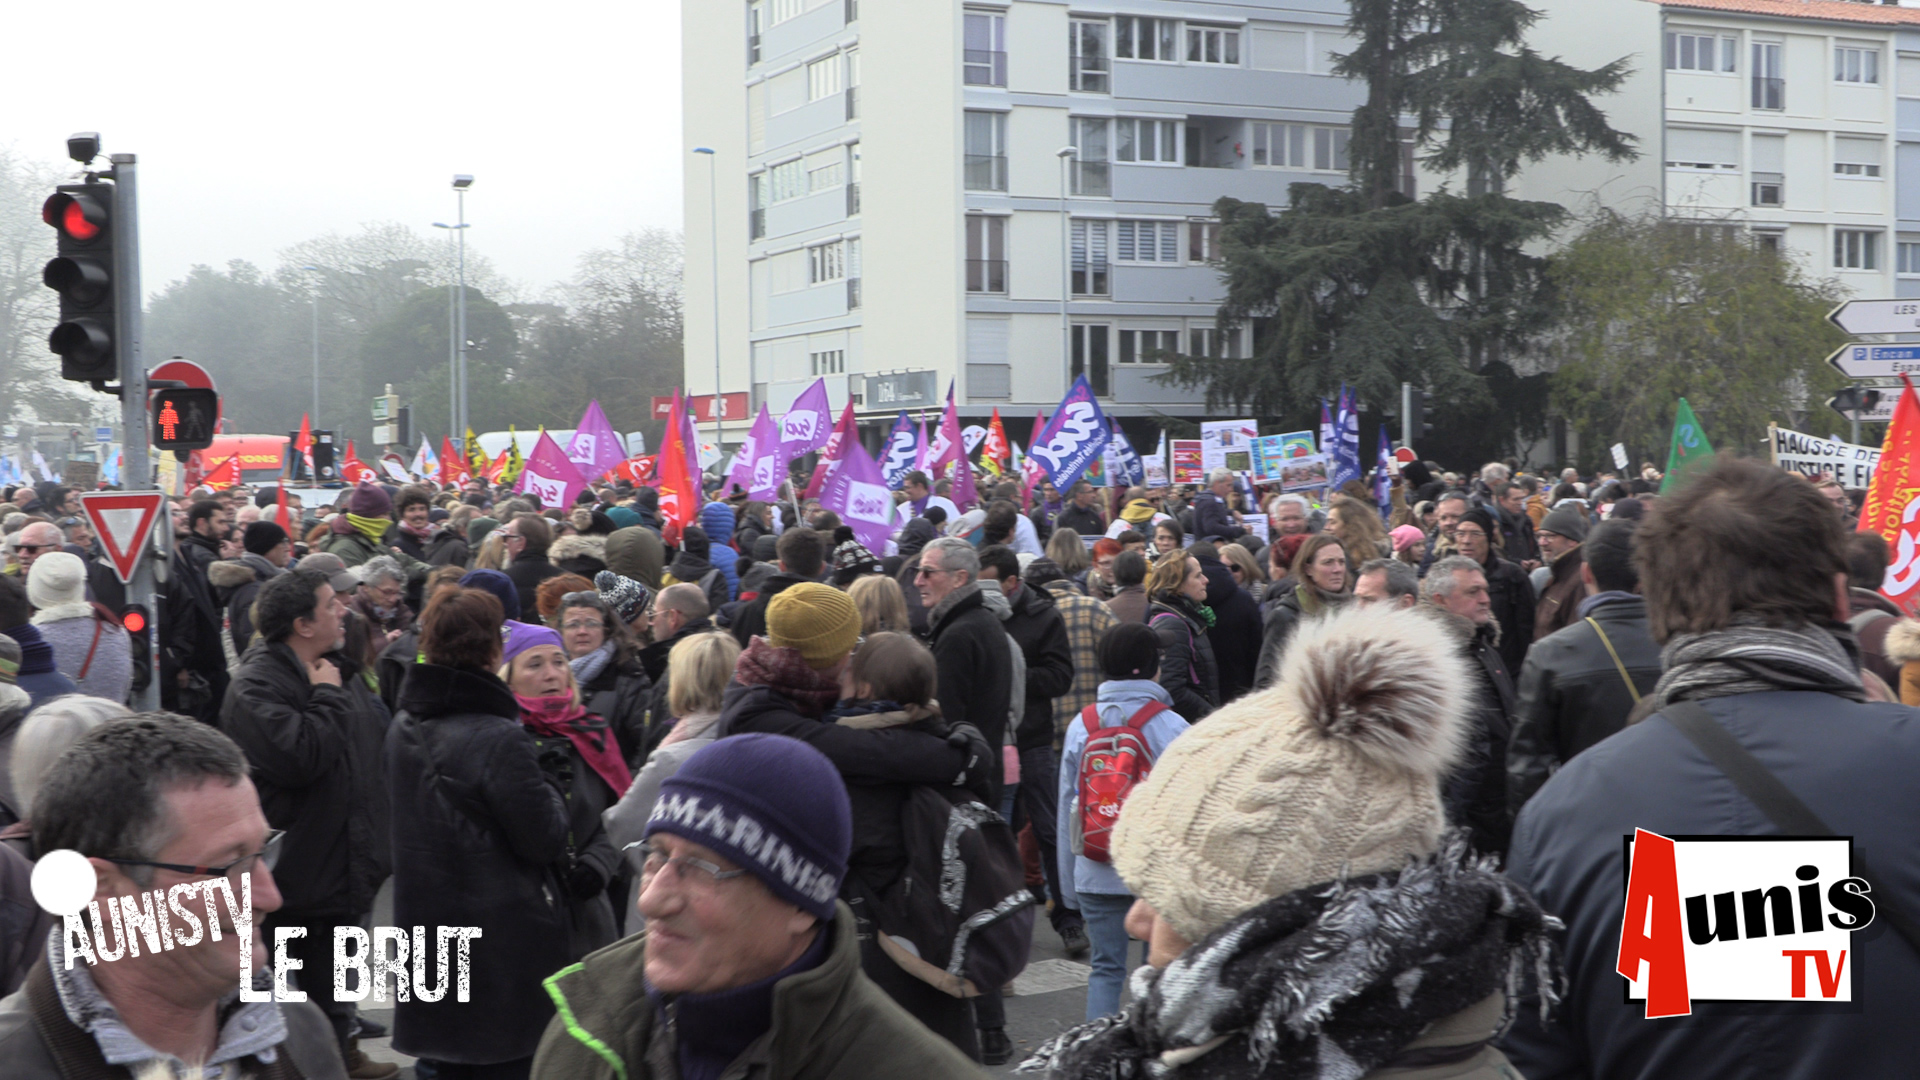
750	965
1558	583
1507	587
1305	910
88	647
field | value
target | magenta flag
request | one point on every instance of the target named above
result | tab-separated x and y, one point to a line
830	457
756	466
804	428
946	439
920	446
859	495
595	446
549	476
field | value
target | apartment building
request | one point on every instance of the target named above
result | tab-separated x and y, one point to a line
1797	118
902	194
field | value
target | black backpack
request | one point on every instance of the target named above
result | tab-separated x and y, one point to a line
960	916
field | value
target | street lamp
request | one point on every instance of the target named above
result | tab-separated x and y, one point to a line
457	316
453	338
316	348
1066	155
713	245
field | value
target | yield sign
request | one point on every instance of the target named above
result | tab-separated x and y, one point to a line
123	520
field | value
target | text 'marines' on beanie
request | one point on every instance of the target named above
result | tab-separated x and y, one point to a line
818	620
1333	772
771	805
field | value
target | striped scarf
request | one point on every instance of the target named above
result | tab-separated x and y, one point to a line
1749	657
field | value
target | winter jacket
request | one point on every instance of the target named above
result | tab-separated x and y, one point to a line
1572	695
658	718
588	796
1085	522
692	570
315	754
1286	610
1476	793
975	680
626	820
636	552
1187	666
751	619
443	548
1087	621
1213	519
863	756
1560	598
1119	700
1036	626
479	832
1512	597
1236	631
527	571
579	554
93	652
23	922
1517	539
236	585
829	1023
1851	763
621	694
192	640
717	519
1129	604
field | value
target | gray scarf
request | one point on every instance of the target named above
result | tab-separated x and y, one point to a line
588	668
946	602
1749	657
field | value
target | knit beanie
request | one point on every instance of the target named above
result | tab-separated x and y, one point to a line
818	620
522	636
693	541
1129	651
1568	521
1405	536
766	548
1333	772
1483	517
370	500
497	583
57	578
262	537
771	805
622	517
627	597
478	528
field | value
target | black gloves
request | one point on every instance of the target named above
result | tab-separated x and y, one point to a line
584	881
978	764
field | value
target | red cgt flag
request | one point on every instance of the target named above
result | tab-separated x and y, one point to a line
355	471
453	464
1892	508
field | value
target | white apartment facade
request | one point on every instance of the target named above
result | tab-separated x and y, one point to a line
889	186
1798	118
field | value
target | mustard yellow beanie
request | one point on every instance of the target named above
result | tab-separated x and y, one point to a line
816	619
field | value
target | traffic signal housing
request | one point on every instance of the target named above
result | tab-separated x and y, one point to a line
82	273
138	624
184	418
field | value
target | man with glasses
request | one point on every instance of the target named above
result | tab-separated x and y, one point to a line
32	541
155	801
314	738
750	964
1508	589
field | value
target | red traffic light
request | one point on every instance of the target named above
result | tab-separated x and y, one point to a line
80	217
134	621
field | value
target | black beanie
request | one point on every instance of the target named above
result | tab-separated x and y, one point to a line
262	537
1129	651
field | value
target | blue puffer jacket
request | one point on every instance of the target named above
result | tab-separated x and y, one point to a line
717	519
1852	764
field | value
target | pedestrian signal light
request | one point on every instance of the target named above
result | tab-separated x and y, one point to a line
82	273
185	418
134	621
137	623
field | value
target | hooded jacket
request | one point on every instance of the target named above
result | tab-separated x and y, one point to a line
1119	700
690	569
236	584
1559	602
717	519
975	678
1476	792
1236	633
636	552
1037	627
1187	666
750	619
579	554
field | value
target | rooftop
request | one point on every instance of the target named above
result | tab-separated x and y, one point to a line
1817	10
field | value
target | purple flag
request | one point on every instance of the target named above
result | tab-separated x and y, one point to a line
549	476
808	422
595	446
859	495
1074	439
756	466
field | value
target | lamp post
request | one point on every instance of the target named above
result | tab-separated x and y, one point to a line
461	182
453	339
713	244
1066	155
316	348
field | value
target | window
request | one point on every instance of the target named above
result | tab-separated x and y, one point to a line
1771	241
1769	189
1701	52
757	206
1139	346
853	179
756	22
1300	146
1908	254
1769	85
984	60
1087	46
1203	241
986	150
1146	241
1856	249
823	77
1701	149
1769	170
1092	175
1090	358
1206	341
853	84
788	180
1907	76
1856	65
786	9
1090	268
853	273
986	254
1212	45
1856	157
826	170
1153	141
826	262
828	362
1137	37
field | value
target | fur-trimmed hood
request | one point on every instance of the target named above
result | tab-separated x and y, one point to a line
568	547
229	574
1903	641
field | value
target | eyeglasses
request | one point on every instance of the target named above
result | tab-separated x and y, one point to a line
269	856
648	861
508	538
924	572
33	549
1475	532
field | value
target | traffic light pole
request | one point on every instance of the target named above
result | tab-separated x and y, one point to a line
136	471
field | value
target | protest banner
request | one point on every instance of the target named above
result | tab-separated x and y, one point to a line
1811	455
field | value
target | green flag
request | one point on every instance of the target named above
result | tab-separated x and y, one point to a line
1690	453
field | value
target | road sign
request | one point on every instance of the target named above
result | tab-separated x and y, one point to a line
1877	316
123	520
103	434
1876	361
1879	414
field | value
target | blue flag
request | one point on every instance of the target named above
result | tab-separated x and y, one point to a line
902	450
1383	475
1326	427
1133	471
1073	439
1345	465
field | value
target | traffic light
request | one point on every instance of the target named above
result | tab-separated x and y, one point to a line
139	627
82	273
323	467
1416	426
184	418
1852	399
403	426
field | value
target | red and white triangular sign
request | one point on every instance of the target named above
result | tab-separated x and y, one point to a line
123	520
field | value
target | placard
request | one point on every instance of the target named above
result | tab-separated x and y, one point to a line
1809	455
1219	438
1187	467
1304	473
1269	454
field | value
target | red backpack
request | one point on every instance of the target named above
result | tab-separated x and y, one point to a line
1115	761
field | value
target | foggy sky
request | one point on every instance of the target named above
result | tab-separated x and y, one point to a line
262	124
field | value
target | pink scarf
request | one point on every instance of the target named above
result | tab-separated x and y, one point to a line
559	716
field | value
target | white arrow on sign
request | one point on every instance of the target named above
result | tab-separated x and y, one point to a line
1876	361
1877	316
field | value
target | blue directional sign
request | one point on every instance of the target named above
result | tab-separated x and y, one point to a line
103	434
1876	361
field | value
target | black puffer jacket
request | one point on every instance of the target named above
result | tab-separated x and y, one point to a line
527	572
864	756
1285	612
479	831
1188	671
1040	631
315	754
976	677
1236	631
752	617
588	796
1572	695
1475	794
621	695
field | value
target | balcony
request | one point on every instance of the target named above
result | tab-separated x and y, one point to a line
987	275
853	293
1092	280
756	224
1088	74
853	102
984	67
986	172
1769	93
1093	178
853	199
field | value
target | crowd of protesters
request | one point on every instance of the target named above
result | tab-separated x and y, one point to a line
1364	772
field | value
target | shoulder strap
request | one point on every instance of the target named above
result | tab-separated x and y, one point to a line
1090	719
1147	712
1617	665
91	649
1863	619
1766	791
